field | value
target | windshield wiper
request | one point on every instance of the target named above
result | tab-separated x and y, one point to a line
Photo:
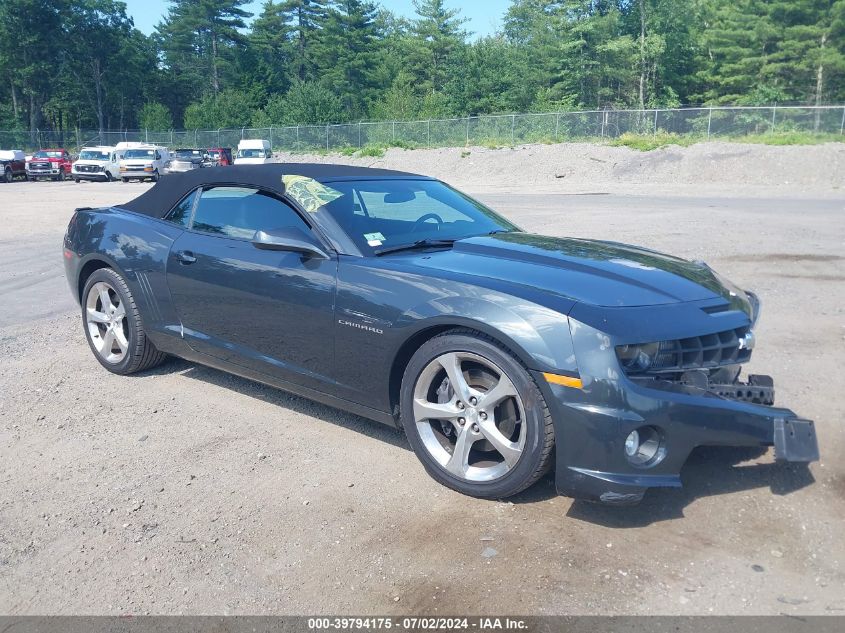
415	245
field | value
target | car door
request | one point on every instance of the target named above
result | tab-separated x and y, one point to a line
271	311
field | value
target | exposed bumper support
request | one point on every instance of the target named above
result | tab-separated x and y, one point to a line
591	425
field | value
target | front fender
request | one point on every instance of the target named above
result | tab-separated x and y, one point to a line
540	337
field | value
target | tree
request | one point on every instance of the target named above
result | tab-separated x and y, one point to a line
306	18
307	103
207	30
436	36
269	48
96	29
155	117
31	33
347	53
229	109
810	51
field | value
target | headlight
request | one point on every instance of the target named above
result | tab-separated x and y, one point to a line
637	358
754	300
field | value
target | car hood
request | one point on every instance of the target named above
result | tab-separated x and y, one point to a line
589	271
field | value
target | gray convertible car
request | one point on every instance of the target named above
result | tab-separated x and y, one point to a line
501	353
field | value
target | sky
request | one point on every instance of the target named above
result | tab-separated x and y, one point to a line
485	16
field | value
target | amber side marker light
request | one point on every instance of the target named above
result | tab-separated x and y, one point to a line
566	381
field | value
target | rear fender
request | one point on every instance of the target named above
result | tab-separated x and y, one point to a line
137	247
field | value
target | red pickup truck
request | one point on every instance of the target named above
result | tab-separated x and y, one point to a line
54	164
12	165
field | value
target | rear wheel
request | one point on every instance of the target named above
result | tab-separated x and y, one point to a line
113	325
475	417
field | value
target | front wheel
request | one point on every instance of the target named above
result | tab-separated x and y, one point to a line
475	417
156	176
7	175
125	180
113	325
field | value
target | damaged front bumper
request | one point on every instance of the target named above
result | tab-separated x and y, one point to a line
592	424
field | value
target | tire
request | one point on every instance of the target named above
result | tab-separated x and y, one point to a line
521	423
76	180
128	351
62	174
156	176
7	175
125	180
109	177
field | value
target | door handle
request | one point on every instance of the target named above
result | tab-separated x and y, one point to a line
185	257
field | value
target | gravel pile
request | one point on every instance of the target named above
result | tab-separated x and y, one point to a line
549	168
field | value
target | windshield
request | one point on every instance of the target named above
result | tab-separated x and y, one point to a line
251	153
379	214
187	153
214	155
93	154
43	154
140	153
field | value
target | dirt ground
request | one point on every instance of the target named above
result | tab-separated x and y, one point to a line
186	490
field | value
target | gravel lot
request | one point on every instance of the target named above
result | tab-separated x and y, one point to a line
186	490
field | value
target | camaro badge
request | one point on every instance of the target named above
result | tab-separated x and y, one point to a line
360	326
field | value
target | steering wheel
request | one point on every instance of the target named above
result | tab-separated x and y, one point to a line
428	216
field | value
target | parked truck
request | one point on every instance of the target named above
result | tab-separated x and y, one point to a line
12	165
254	152
141	161
54	163
98	163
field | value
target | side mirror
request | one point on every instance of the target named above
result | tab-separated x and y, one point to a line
289	239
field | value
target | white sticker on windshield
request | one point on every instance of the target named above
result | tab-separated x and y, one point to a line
374	239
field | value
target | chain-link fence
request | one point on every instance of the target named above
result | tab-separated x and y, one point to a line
506	129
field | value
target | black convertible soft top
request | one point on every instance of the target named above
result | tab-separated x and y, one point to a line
158	200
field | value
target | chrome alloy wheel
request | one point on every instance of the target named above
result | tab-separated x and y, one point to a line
469	416
108	328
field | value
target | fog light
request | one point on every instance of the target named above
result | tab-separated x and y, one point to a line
632	444
644	447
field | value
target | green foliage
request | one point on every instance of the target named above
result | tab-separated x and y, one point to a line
81	63
789	138
306	103
371	151
648	142
230	109
155	117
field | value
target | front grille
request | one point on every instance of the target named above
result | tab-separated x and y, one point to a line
87	169
39	166
702	352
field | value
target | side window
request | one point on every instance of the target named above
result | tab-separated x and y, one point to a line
239	212
181	213
158	156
